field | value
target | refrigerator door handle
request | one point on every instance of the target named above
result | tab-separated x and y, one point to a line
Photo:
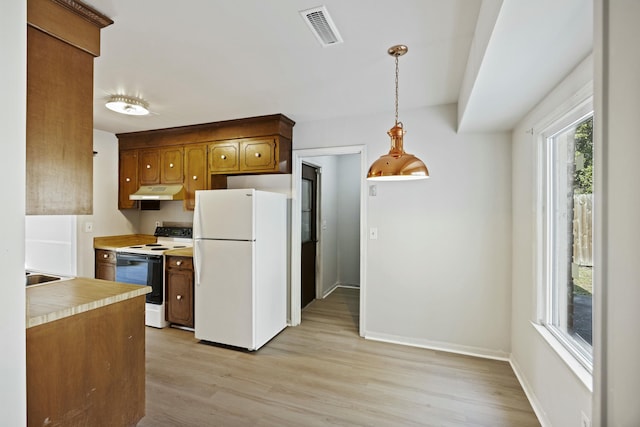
197	260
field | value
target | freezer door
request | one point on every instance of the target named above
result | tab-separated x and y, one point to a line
224	293
224	214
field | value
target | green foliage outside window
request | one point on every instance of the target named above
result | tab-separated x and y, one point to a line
583	178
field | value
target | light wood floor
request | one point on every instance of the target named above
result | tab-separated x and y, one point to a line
322	373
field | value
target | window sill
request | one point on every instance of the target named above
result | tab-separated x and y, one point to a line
579	371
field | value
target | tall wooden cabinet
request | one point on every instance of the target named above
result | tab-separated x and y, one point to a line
63	37
127	178
195	165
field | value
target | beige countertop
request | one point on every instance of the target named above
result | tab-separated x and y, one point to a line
113	242
63	298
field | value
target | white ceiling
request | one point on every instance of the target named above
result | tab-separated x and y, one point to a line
204	61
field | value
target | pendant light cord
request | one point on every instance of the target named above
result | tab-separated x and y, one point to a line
397	71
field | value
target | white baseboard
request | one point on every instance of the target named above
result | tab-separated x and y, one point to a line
440	346
533	400
339	285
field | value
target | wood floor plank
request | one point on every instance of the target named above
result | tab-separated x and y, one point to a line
322	373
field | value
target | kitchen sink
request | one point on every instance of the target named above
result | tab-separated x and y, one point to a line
36	279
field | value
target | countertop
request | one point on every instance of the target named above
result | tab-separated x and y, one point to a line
180	252
63	298
110	243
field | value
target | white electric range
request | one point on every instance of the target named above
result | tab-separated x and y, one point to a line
144	265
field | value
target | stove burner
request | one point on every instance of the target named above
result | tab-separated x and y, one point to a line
153	244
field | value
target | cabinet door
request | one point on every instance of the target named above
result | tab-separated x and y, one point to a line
171	165
223	157
258	155
59	127
149	167
195	164
179	277
105	265
127	178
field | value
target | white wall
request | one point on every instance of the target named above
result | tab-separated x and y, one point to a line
13	120
349	220
107	220
328	230
617	372
557	394
439	273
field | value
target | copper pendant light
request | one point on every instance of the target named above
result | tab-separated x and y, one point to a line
397	165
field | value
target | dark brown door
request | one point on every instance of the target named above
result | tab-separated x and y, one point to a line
309	236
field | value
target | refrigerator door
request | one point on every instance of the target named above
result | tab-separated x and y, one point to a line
224	214
224	294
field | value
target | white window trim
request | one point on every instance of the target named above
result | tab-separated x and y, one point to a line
579	106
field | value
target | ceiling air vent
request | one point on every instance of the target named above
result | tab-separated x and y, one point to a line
322	25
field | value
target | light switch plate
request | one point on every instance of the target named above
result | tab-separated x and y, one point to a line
88	227
373	233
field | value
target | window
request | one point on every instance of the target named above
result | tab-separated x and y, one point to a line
567	238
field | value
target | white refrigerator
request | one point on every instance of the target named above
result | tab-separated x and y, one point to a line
239	251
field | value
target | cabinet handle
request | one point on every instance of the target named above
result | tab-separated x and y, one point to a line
178	297
148	166
105	256
223	157
178	263
127	179
170	165
257	154
195	178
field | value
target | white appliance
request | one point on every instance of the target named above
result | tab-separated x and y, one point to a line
239	249
144	265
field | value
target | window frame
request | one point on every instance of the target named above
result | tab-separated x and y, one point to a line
578	349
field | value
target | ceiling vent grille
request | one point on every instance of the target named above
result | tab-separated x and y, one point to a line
322	25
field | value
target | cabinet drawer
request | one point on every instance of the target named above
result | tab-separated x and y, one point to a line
258	154
105	256
183	263
223	157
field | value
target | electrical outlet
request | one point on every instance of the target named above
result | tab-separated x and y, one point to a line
157	223
585	421
88	227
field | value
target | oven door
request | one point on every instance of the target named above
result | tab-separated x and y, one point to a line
139	269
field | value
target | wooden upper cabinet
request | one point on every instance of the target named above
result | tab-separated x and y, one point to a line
160	166
149	167
195	165
259	154
200	157
224	157
171	165
127	178
61	45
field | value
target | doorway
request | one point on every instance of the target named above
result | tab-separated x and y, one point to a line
311	156
309	233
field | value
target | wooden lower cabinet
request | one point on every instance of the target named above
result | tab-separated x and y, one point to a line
105	265
88	369
179	292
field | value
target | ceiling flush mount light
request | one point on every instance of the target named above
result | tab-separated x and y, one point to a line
129	105
397	165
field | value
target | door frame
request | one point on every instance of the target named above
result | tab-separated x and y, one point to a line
296	188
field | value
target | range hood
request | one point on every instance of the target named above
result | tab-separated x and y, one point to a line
159	192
